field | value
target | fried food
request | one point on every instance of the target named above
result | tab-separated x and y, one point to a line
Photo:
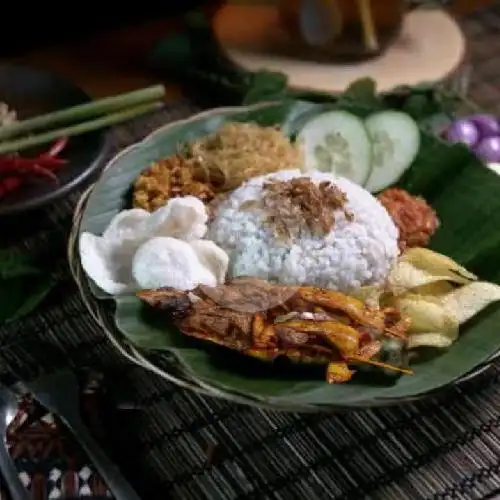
305	324
437	293
237	152
165	179
414	217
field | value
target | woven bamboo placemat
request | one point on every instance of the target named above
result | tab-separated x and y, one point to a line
185	446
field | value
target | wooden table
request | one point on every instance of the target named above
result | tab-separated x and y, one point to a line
107	64
116	61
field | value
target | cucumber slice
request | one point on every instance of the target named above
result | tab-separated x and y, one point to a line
337	142
395	139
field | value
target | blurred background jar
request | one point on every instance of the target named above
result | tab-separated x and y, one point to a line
343	29
333	30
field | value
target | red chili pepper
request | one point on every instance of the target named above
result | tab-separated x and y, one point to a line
44	172
16	171
24	168
17	164
57	147
9	184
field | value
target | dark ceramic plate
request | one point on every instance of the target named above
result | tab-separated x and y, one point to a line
33	92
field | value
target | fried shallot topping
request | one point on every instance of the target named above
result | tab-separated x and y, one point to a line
299	204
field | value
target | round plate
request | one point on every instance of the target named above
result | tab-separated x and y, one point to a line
33	92
218	373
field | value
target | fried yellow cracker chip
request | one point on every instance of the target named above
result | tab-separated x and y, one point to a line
471	299
438	340
437	264
428	315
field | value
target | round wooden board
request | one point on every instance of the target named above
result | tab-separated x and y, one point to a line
430	48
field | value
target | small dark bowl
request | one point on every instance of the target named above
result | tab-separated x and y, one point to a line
33	92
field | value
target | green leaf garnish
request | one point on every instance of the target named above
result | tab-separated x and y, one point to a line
16	265
266	86
34	298
23	284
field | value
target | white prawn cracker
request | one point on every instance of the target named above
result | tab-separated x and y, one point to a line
183	218
212	257
106	264
169	262
126	224
107	259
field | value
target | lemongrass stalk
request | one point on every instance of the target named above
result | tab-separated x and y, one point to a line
81	128
82	112
368	26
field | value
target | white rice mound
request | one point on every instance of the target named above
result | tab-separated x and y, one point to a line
355	253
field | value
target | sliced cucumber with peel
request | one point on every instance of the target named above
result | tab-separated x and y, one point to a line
337	142
395	141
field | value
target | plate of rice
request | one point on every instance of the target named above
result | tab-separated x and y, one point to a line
295	255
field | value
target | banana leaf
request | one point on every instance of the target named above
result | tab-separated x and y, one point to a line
465	194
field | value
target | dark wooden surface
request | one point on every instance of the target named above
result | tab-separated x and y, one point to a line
115	61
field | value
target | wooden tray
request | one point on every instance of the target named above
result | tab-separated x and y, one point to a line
430	48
